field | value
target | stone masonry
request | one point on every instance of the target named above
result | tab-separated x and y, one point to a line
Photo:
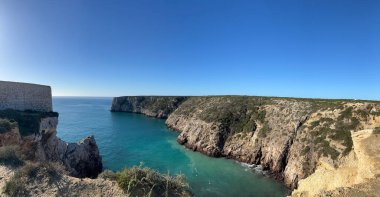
25	96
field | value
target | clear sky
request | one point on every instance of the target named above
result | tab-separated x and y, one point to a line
309	48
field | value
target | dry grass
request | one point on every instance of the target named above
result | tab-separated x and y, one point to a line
10	156
143	181
33	172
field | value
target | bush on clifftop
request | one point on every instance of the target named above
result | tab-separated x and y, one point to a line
376	130
9	156
143	181
49	172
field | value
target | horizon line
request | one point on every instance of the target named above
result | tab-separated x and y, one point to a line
288	97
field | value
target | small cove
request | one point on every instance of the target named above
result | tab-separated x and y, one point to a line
126	139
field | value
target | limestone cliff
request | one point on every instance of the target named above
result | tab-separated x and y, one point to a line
286	136
159	107
81	159
358	174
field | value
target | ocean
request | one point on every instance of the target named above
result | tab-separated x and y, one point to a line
127	139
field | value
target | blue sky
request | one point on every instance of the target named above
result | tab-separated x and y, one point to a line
324	48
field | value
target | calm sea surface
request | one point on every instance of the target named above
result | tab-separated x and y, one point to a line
127	139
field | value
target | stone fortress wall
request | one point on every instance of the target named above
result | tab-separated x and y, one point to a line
25	96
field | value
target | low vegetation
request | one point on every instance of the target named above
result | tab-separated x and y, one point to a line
143	181
31	173
161	103
326	129
264	130
10	156
305	150
165	104
376	130
235	113
7	125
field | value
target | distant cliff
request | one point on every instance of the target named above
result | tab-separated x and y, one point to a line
286	136
159	107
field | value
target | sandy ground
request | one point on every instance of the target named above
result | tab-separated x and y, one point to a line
5	174
357	175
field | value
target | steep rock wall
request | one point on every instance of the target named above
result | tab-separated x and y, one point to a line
81	159
286	136
159	107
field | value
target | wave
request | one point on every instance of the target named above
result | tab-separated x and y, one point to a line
254	167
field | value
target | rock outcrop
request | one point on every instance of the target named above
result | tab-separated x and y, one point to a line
81	159
159	107
287	136
356	175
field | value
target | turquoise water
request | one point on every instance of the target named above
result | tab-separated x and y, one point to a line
127	139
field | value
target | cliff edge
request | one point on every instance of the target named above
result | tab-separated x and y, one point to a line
287	136
159	107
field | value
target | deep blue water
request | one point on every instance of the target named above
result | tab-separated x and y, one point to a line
127	139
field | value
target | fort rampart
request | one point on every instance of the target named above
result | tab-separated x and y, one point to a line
25	96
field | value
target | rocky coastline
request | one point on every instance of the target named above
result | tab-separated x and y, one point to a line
287	136
35	162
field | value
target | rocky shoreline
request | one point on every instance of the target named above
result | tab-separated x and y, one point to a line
287	136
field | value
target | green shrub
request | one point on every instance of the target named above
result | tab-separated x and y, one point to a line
141	181
264	130
108	174
327	121
327	150
305	150
376	130
346	114
314	124
362	113
10	156
15	188
7	125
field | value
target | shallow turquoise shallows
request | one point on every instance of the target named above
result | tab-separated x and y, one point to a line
127	139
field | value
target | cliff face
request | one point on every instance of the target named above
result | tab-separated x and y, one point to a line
286	136
81	159
159	107
358	174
